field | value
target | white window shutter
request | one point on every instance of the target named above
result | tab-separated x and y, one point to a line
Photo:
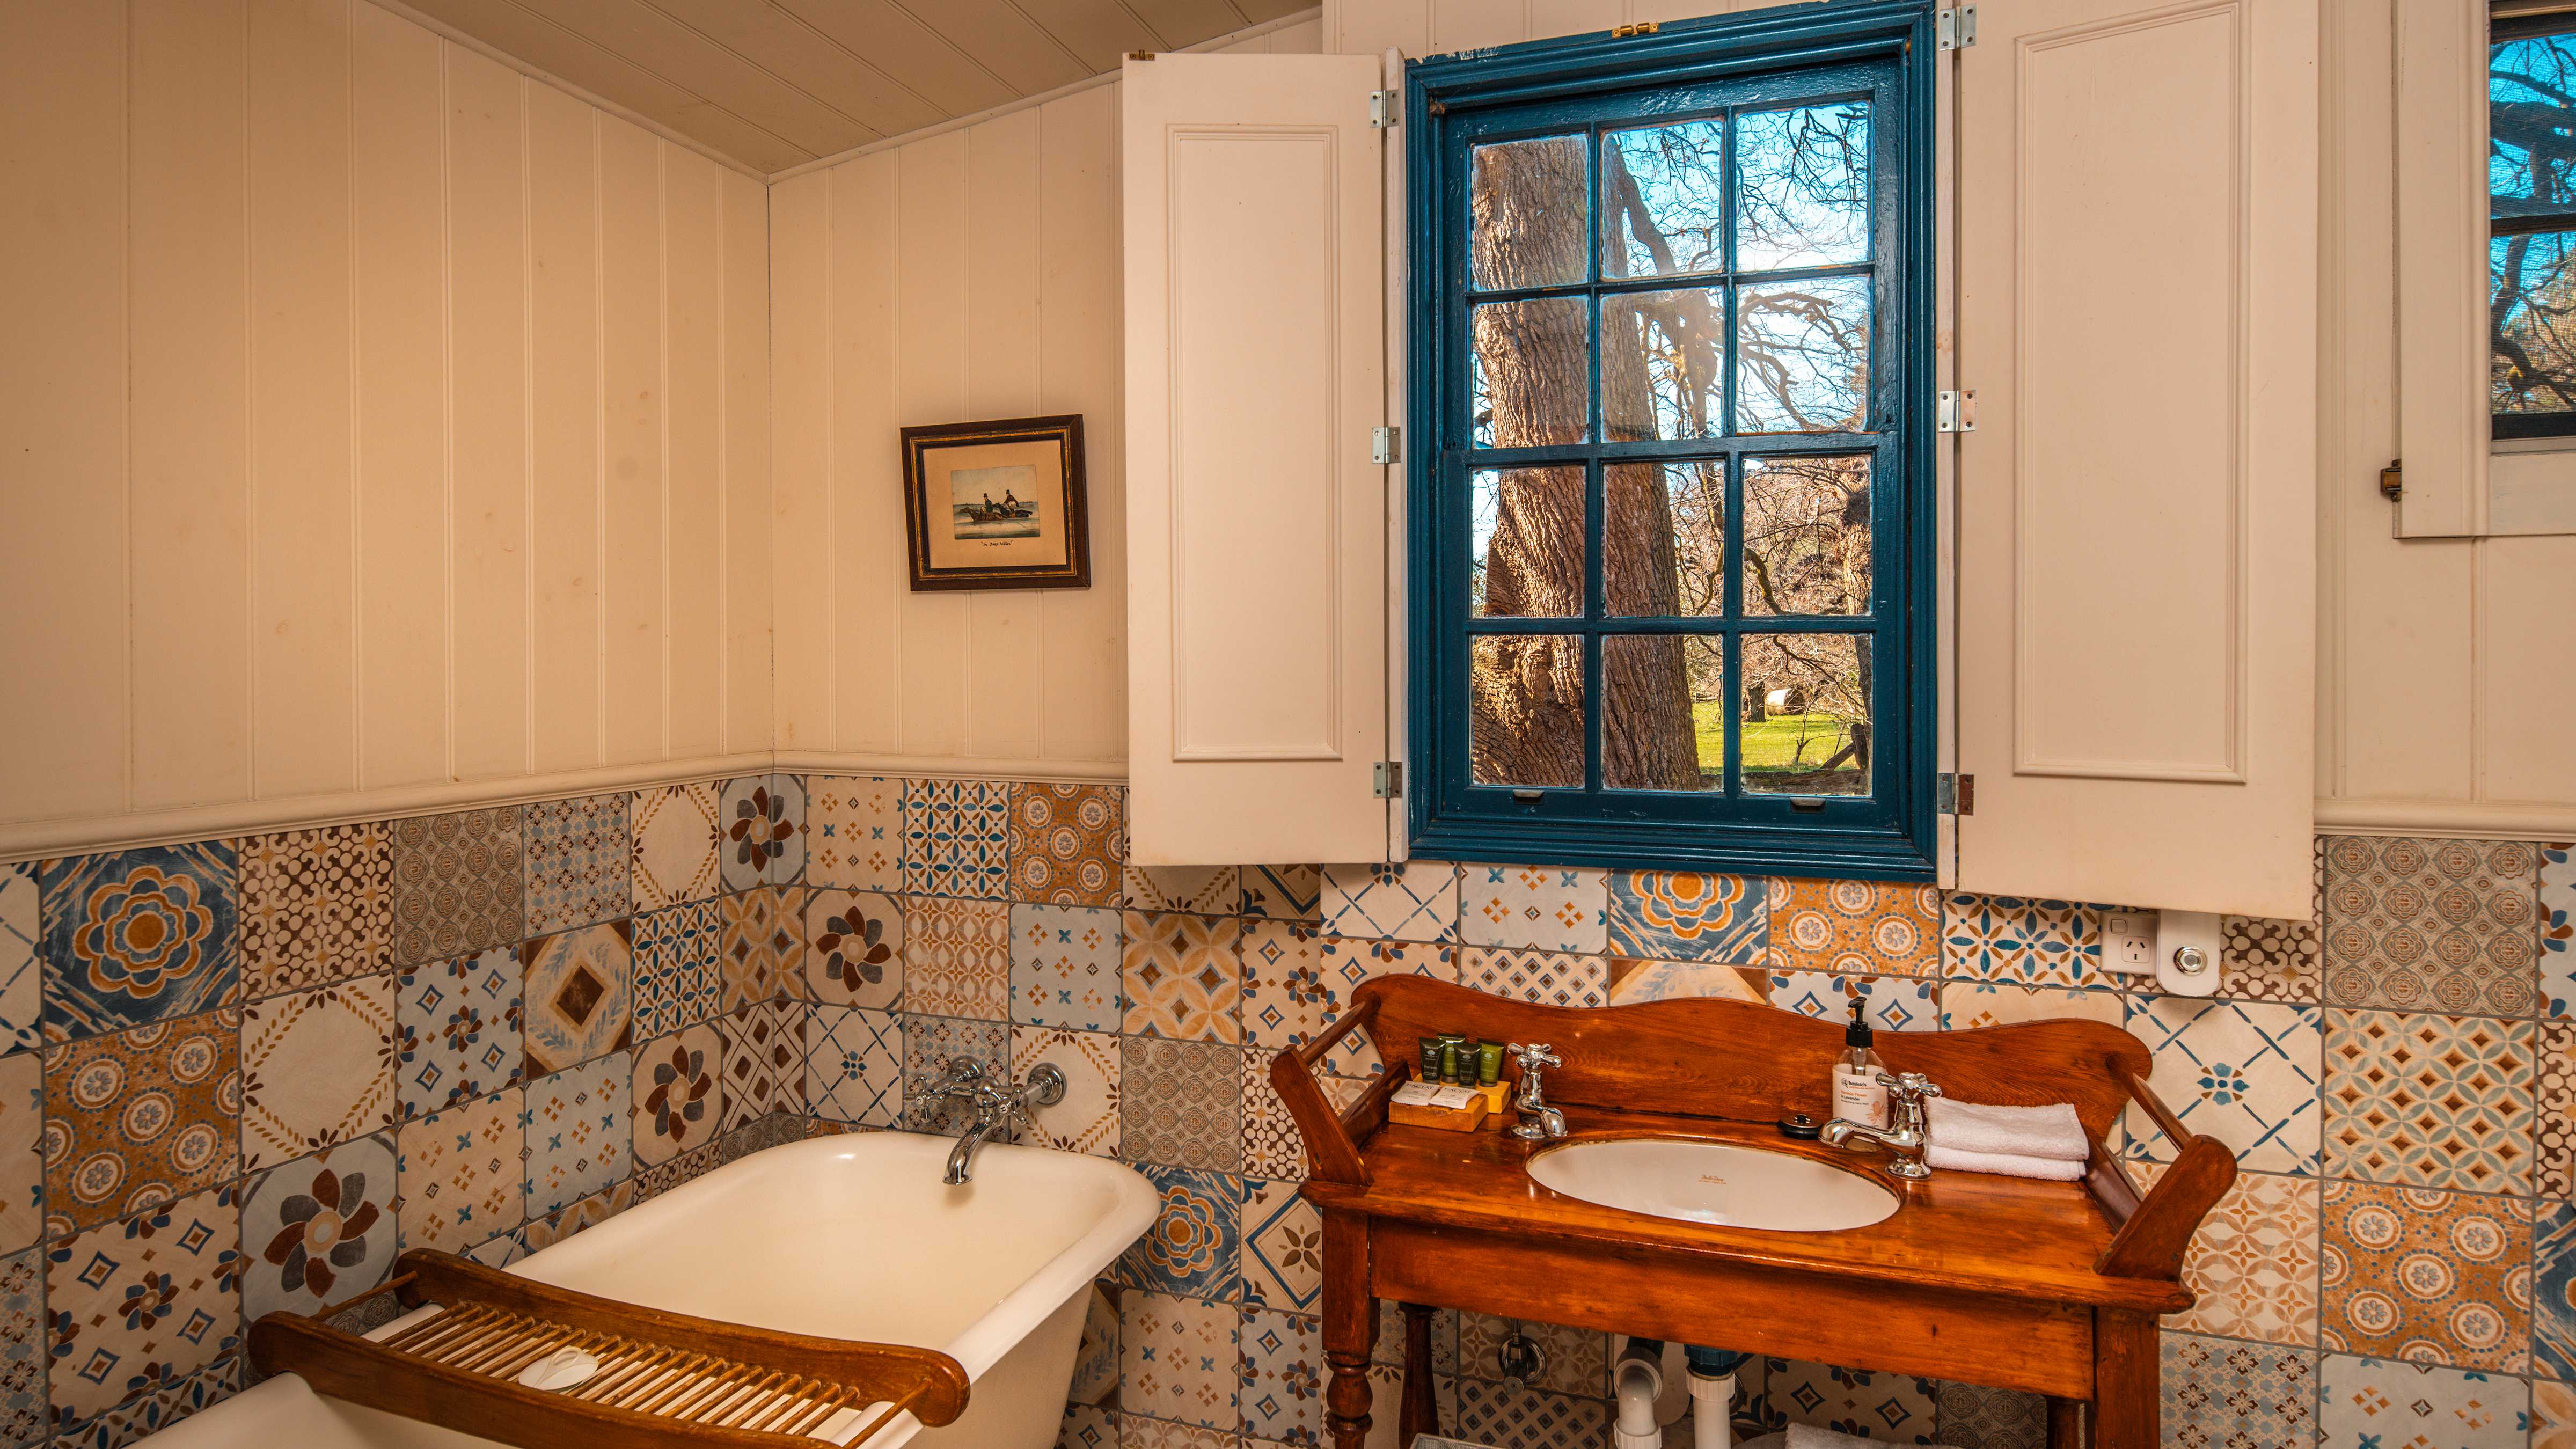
2442	411
1256	309
2137	248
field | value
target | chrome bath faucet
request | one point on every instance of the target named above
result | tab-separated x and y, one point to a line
997	1106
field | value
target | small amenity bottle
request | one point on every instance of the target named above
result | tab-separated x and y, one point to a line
1857	1095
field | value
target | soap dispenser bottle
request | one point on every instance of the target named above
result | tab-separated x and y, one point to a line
1858	1097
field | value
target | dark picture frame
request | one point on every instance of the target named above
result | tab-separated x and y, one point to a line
998	504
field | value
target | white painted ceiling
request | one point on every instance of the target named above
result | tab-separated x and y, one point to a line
775	83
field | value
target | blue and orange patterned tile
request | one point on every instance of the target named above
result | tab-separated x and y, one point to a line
1283	1247
320	1230
1506	1417
1182	976
1348	963
791	853
2553	1415
1284	893
1088	1117
1283	1377
458	1031
137	1304
578	992
22	1149
1689	916
957	957
1201	890
854	832
854	1066
2553	1290
1066	843
678	1093
1634	979
2253	1264
24	1412
463	1172
577	862
1194	1245
317	1068
2434	1101
1550	978
138	936
1856	927
2554	1109
678	967
149	1413
140	1118
764	1060
759	947
2262	959
673	835
754	832
2558	931
1180	1103
930	1043
1889	1003
316	906
1065	967
457	884
1573	1361
2245	1073
578	1138
1288	996
2427	1276
22	960
1895	1408
1969	1004
2383	1403
2432	925
1972	1416
1180	1362
1534	907
2028	942
853	949
956	838
2223	1395
1414	901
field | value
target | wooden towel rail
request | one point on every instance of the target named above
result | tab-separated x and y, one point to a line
663	1378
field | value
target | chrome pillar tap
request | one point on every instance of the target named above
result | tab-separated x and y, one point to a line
1539	1121
996	1107
1909	1128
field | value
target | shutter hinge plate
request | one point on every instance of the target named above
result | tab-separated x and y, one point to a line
1956	795
1633	30
1955	28
1386	109
1959	411
1386	445
1388	779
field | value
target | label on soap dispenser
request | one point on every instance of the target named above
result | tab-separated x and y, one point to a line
1858	1097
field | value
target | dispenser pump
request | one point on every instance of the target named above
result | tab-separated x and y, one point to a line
1858	1097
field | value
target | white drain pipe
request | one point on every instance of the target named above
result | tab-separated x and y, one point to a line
1637	1384
1712	1411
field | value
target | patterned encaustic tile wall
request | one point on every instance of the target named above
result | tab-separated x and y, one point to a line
245	1073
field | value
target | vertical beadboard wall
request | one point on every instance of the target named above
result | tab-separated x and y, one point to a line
381	427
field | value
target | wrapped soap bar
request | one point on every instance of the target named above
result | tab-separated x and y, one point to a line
1430	1104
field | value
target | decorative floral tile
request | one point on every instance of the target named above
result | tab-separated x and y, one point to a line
2260	959
2242	1072
2254	1261
854	832
319	1231
1549	978
1283	1377
853	952
1287	996
760	950
674	836
1856	927
1504	1417
579	997
316	906
24	1410
679	1102
149	1413
1087	1119
759	835
456	884
854	1065
1347	964
956	838
792	859
1634	980
2031	942
138	936
22	1153
651	1182
317	1067
1889	1003
1283	1247
1534	907
1415	901
2558	930
1180	1360
1088	1426
1284	893
1966	1004
2553	1290
2427	1276
1064	967
577	862
22	966
1272	1145
2436	1101
1893	1407
463	1172
1686	916
1194	1246
957	958
578	1138
1183	976
2222	1395
1970	1416
1066	843
1180	1103
2554	1098
2377	1403
678	967
458	1031
1577	1359
764	1060
138	1303
1200	890
140	1118
2553	1415
929	1044
2431	925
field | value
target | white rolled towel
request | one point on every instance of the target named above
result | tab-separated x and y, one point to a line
2007	1164
2052	1131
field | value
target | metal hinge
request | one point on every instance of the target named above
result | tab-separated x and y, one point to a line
1959	411
2392	480
1631	32
1388	781
1140	55
1386	108
1386	445
1954	29
1956	795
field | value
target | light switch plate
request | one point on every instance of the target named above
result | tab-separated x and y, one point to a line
2129	943
2187	953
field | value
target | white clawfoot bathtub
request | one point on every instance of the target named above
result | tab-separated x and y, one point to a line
846	1237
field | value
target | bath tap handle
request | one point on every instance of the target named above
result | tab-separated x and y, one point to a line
1536	1054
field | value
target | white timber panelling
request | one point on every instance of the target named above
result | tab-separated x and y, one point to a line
2441	151
387	429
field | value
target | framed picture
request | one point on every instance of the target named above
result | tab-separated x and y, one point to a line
997	505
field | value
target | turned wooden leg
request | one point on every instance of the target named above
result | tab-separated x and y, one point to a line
1421	1414
2065	1424
2126	1407
1350	1329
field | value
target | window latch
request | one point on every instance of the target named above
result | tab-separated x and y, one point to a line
1959	411
1388	780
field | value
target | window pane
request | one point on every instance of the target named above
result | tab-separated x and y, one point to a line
1661	353
1525	721
2533	322
1663	200
1526	202
2531	155
1664	726
1529	373
1802	187
1663	542
1525	556
1806	714
1806	535
1802	356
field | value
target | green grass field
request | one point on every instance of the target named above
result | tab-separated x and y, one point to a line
1769	745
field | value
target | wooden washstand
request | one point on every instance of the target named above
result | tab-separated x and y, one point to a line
2052	1288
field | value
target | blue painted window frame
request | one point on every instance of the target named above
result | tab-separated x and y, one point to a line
1587	83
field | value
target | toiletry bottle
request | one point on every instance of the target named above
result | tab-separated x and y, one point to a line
1857	1095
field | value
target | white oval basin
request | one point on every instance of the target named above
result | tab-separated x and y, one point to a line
1713	1182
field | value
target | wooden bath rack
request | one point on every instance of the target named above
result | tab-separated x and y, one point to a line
663	1378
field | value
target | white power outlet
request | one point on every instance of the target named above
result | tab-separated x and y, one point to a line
2129	942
